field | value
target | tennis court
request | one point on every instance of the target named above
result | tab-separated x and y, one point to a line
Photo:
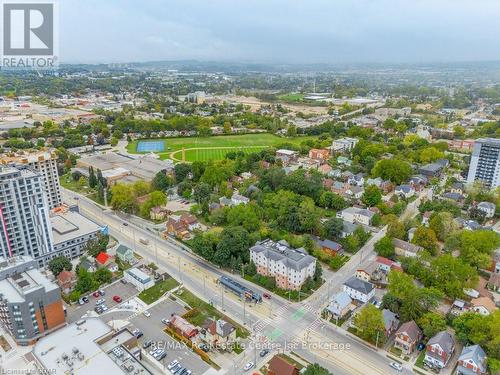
151	146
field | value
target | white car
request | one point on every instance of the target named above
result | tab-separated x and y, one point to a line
173	364
100	301
147	314
248	366
397	366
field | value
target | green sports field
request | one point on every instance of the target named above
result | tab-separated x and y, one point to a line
216	147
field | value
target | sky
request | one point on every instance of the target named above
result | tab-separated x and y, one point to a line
280	31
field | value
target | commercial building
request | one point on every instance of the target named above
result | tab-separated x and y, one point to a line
120	168
485	162
71	231
45	163
139	278
290	267
30	304
89	347
24	215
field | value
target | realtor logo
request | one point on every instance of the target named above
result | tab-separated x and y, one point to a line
29	34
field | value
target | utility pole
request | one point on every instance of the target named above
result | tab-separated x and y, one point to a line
376	342
156	251
179	265
244	312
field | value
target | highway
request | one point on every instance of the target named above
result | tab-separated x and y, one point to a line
283	325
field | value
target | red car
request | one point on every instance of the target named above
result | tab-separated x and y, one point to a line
96	294
117	299
268	296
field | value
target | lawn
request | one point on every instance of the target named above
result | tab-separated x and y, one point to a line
216	147
204	310
81	187
159	289
292	97
420	360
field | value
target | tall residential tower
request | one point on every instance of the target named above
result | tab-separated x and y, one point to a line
485	162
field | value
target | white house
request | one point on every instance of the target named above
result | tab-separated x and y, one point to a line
488	208
406	191
356	215
138	278
344	144
358	289
237	199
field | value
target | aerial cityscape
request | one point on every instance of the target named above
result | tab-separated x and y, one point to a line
209	189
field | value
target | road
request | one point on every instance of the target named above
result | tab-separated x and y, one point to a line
276	322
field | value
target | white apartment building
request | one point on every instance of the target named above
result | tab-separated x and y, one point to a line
24	215
344	144
356	215
485	162
45	163
290	267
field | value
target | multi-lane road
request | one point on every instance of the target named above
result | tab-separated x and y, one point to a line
277	322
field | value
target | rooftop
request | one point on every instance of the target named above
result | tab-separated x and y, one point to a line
69	225
281	251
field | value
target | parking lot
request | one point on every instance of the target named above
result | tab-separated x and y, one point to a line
125	291
152	328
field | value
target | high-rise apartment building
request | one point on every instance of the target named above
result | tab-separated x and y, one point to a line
485	162
24	215
30	304
43	162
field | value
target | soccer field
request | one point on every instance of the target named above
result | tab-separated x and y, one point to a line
215	147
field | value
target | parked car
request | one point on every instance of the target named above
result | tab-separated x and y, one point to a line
267	295
96	294
123	281
397	366
179	370
101	292
146	313
137	333
117	299
248	366
100	301
165	321
147	344
173	364
264	352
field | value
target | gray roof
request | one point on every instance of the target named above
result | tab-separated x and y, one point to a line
474	353
487	205
359	285
122	250
411	329
329	244
339	302
404	188
453	196
390	319
297	259
444	340
406	245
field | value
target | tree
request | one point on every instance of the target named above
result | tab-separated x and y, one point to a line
203	246
426	238
234	242
309	215
476	247
161	182
371	196
451	275
59	264
443	225
155	199
201	193
123	198
141	188
331	200
182	170
474	328
370	323
185	189
432	323
332	228
315	369
384	247
103	276
395	170
92	178
245	216
395	228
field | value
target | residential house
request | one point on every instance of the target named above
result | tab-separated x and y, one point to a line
88	265
426	217
103	259
434	169
125	254
357	180
391	322
66	281
354	192
237	199
386	265
406	249
344	144
340	305
359	290
472	361
324	169
159	213
348	229
343	160
183	327
418	181
488	208
483	305
407	337
374	181
113	267
339	187
280	366
365	273
287	156
494	282
218	333
330	247
439	350
457	187
356	215
453	197
319	154
405	191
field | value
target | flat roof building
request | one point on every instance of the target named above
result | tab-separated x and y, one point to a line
30	304
485	162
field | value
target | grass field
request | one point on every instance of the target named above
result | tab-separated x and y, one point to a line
292	97
216	147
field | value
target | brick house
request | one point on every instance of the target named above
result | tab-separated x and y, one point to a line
66	281
319	154
218	333
472	360
279	366
408	337
439	350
